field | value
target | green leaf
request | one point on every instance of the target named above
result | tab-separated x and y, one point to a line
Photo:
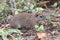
54	32
48	18
41	28
32	6
25	8
39	9
4	37
1	31
55	4
2	6
19	38
33	10
55	24
14	39
5	32
16	12
14	30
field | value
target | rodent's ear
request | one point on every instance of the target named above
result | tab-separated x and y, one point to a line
36	14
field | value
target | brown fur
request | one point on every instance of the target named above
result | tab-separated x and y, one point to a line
23	20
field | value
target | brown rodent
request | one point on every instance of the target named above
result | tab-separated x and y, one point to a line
23	20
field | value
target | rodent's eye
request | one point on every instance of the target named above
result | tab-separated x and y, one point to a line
41	16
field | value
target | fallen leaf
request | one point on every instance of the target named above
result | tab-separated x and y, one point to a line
36	26
41	35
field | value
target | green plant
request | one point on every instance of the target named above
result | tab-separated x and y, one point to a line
55	24
41	28
39	9
5	32
55	5
4	10
48	18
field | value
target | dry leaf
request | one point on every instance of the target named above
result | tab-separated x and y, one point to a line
36	26
41	35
